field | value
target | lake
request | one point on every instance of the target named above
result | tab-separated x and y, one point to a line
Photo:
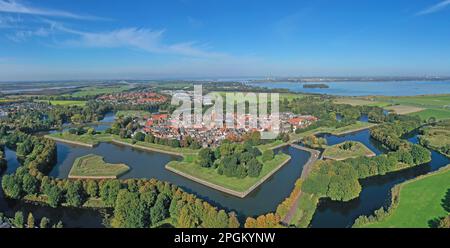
400	88
145	164
376	191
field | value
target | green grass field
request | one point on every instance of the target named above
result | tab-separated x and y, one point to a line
133	113
233	183
93	91
426	101
439	114
360	102
84	139
420	201
403	109
437	106
93	166
64	103
437	136
337	152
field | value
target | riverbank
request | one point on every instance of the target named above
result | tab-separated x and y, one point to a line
67	141
92	166
93	140
298	210
415	203
353	128
347	150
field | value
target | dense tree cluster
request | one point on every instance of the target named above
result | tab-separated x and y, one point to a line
42	116
334	179
18	221
234	159
2	159
269	220
314	142
390	134
432	134
37	153
338	180
283	207
329	113
136	203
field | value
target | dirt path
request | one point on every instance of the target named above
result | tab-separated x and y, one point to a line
305	172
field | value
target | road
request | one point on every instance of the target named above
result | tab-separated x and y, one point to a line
305	172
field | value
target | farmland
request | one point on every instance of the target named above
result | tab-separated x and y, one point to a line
420	202
64	103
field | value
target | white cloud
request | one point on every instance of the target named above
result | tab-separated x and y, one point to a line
435	8
138	38
13	6
22	35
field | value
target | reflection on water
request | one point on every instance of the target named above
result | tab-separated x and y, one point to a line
145	164
403	88
375	191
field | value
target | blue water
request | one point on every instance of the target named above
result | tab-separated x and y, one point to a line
375	190
401	88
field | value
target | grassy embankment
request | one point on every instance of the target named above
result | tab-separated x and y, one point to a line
239	186
418	202
94	167
133	113
338	151
93	140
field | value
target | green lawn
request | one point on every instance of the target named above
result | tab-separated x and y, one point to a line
64	102
437	106
158	147
134	113
307	205
233	183
93	91
404	109
420	201
361	101
425	101
439	114
84	139
94	166
337	152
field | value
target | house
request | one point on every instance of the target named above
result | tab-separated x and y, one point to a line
302	121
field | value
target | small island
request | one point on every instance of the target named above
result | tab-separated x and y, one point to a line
94	167
346	150
316	86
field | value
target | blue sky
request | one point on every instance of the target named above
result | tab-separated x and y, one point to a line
142	39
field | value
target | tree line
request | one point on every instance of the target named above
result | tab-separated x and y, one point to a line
152	201
339	180
234	159
19	221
